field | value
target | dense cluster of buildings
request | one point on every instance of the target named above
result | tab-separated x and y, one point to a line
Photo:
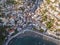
50	13
16	15
19	15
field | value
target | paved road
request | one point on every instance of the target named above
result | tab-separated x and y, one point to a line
44	36
36	5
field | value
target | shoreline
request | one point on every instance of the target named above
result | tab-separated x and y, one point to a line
30	32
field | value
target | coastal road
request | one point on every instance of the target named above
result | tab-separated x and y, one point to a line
44	36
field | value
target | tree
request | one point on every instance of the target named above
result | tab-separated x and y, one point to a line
44	18
11	2
2	37
49	24
48	1
41	30
22	8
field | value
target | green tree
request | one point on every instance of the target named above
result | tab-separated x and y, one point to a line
11	2
41	30
49	24
48	1
2	37
44	18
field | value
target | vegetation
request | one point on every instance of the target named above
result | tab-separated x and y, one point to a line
0	20
53	8
34	28
2	37
15	32
3	33
11	2
48	1
22	8
43	12
49	24
44	18
0	10
41	30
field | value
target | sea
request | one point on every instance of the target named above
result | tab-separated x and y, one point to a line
29	40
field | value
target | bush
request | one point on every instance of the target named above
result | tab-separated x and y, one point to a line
22	8
11	2
44	18
41	30
48	1
2	37
49	24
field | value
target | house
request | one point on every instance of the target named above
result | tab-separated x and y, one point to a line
11	31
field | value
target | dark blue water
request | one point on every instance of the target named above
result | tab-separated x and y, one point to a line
29	41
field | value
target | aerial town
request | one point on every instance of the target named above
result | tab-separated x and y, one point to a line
42	16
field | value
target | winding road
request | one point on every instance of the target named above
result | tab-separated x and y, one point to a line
44	36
